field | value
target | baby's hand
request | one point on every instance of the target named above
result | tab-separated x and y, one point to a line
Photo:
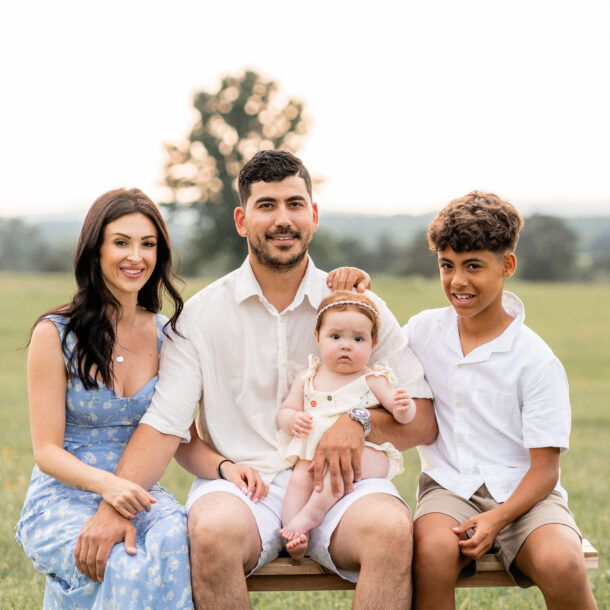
404	407
301	424
126	497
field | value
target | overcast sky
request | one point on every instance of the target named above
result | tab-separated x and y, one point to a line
411	103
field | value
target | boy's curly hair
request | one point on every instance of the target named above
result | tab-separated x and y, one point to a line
477	221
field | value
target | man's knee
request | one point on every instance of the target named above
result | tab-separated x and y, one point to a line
377	527
221	526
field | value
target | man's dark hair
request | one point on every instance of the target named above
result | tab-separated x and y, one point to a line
270	166
477	221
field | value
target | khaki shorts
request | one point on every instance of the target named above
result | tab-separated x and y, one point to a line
432	498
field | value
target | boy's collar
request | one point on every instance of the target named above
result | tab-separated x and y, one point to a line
502	343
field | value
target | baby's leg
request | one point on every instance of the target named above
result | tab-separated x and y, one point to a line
374	464
298	491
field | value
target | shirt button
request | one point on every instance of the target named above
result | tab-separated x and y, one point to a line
459	439
458	403
329	397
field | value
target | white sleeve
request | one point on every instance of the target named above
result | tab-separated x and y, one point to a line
546	413
393	347
180	385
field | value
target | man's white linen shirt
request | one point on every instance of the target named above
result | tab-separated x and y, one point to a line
492	405
238	357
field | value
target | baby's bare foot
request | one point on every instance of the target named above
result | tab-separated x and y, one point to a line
297	546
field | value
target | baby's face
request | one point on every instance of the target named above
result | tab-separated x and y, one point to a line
345	341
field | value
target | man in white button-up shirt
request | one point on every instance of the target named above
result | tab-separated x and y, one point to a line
491	478
243	340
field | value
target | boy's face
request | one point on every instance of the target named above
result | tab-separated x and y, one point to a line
473	281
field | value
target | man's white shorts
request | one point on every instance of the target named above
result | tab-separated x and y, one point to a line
268	512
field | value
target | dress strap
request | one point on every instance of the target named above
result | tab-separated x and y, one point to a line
382	369
313	364
60	322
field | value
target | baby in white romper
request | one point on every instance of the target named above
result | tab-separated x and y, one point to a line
347	328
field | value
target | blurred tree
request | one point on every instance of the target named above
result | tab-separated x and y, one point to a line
419	260
546	249
246	114
329	251
22	247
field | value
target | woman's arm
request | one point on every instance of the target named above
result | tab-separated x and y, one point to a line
47	385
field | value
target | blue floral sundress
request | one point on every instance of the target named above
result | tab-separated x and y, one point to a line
99	423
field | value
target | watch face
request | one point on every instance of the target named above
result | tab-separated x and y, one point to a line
360	413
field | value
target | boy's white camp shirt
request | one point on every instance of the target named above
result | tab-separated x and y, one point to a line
241	355
493	405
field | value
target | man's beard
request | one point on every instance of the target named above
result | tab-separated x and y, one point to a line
264	257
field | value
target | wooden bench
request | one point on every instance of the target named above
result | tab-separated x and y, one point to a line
287	574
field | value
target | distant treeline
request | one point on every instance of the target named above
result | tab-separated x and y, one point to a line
550	248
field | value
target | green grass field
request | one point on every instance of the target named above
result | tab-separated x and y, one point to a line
572	318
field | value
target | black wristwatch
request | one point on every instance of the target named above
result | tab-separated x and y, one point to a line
362	416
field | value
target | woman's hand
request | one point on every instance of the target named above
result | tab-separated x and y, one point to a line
301	423
126	497
248	479
346	278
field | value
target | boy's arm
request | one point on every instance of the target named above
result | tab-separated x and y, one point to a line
537	484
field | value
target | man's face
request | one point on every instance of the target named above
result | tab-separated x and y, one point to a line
279	221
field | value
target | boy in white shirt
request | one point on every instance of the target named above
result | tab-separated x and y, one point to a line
491	478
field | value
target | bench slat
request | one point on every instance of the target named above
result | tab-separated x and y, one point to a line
287	574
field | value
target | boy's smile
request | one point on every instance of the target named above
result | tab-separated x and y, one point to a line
474	281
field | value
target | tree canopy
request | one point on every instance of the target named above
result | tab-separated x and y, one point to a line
247	113
546	249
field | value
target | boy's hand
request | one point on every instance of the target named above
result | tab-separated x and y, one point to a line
126	497
346	278
248	479
300	424
486	527
404	407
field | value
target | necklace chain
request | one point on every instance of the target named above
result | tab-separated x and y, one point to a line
119	357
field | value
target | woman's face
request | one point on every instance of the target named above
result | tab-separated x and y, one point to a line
128	254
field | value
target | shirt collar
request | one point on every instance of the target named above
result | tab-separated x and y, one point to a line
502	343
246	285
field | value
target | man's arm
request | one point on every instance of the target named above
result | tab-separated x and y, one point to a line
106	528
422	430
342	444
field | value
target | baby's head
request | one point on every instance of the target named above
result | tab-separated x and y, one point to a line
345	300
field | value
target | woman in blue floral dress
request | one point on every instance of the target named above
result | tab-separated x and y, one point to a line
92	369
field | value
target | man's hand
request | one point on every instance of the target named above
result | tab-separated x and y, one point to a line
341	448
248	479
486	527
99	534
346	278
